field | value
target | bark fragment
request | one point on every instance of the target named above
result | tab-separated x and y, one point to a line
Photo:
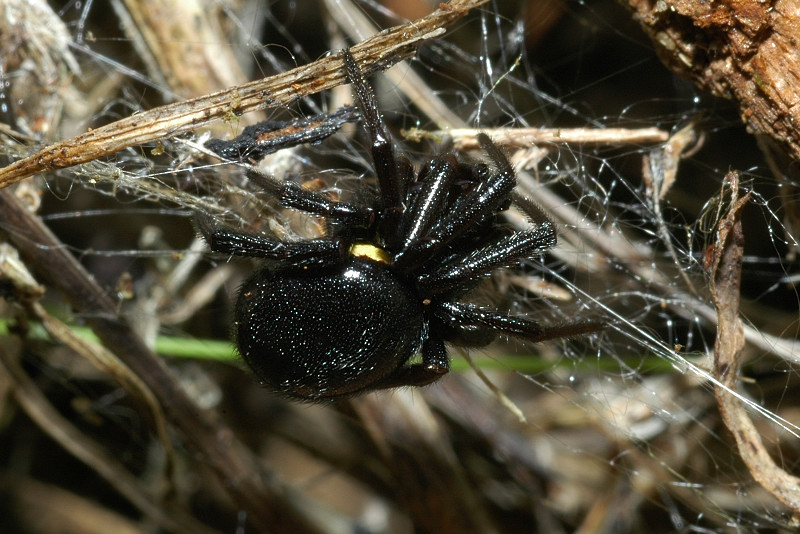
744	50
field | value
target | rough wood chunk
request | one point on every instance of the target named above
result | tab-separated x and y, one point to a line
746	50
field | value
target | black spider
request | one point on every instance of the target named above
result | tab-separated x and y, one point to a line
344	314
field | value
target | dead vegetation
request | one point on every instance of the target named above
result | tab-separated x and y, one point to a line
103	126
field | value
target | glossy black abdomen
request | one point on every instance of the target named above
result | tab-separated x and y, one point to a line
327	332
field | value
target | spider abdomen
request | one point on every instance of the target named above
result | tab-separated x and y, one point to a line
330	332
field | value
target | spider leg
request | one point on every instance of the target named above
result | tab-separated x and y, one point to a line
292	195
263	138
463	272
302	253
435	364
530	208
428	202
390	181
460	314
489	196
497	157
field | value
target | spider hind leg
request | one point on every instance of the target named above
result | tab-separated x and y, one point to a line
435	364
460	314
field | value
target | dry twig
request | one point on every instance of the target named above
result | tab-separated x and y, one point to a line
378	52
726	272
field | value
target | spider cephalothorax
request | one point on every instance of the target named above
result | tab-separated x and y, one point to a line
344	314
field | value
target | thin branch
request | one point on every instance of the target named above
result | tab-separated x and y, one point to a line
378	52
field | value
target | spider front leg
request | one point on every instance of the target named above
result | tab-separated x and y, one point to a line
462	272
425	206
390	179
490	196
292	195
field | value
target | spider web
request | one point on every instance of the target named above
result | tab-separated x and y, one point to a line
621	429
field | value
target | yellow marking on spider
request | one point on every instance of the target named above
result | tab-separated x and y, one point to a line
368	250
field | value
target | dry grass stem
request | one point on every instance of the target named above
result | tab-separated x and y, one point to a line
726	269
465	138
377	52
